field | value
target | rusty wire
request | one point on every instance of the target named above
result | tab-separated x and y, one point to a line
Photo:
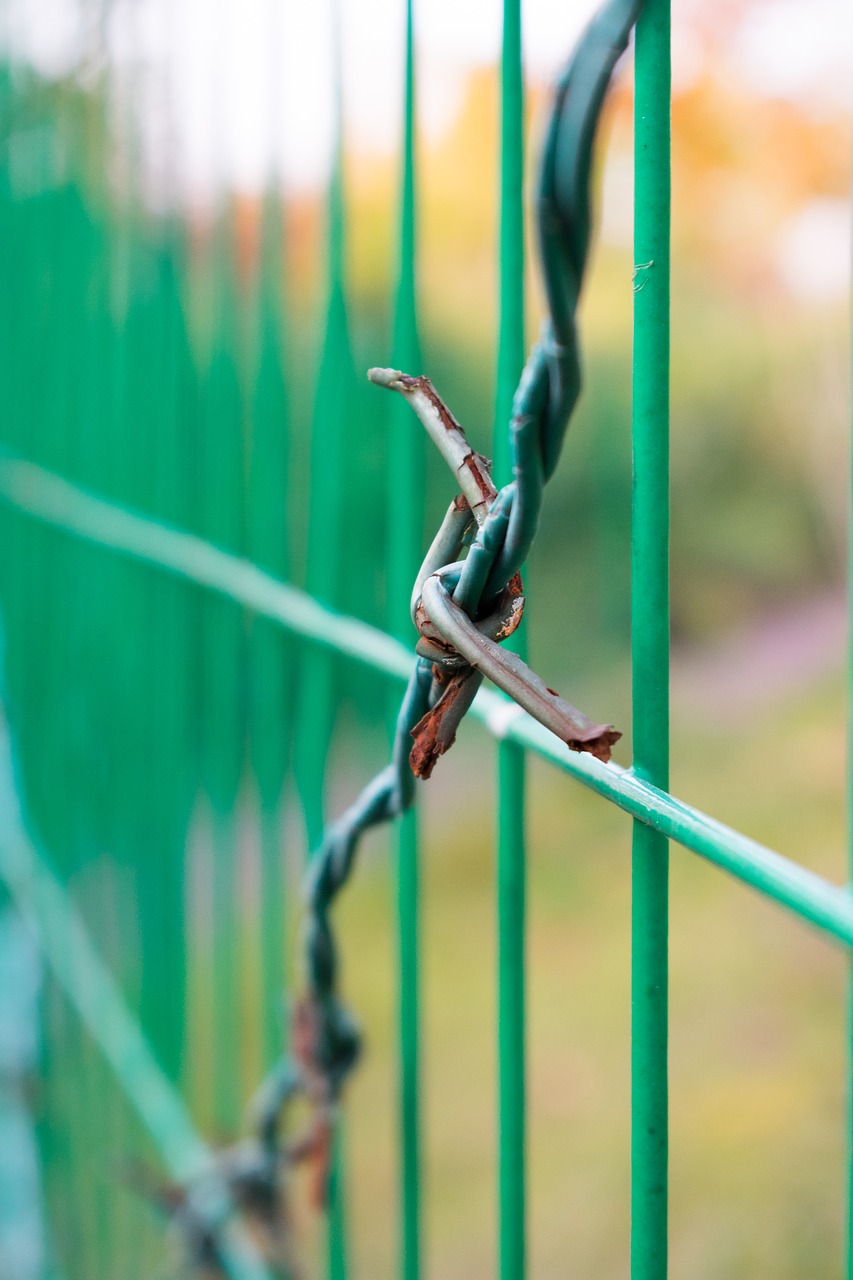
468	596
255	1173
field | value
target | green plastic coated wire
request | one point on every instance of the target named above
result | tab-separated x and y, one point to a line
463	608
46	909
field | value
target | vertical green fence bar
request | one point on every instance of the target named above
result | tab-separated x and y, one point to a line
271	684
650	639
405	507
319	669
223	657
326	493
511	766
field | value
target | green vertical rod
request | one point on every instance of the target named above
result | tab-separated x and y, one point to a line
511	768
223	658
271	686
269	513
405	505
319	671
326	491
511	1014
650	640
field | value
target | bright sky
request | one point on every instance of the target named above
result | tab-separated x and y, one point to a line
229	90
236	86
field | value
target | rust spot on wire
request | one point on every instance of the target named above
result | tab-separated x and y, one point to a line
435	732
478	466
512	601
598	740
599	746
422	383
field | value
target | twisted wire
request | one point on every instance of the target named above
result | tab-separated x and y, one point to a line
464	607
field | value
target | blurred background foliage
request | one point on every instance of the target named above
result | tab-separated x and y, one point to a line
162	346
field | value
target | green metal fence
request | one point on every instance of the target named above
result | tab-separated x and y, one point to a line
154	688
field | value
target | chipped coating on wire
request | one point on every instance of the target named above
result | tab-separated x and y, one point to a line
480	599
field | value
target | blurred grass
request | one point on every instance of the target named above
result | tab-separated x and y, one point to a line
758	1020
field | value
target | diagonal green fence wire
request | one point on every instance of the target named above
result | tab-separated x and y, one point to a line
34	492
45	906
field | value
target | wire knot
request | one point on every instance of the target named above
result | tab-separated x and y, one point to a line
455	679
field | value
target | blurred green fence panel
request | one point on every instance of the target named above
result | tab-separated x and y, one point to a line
204	512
